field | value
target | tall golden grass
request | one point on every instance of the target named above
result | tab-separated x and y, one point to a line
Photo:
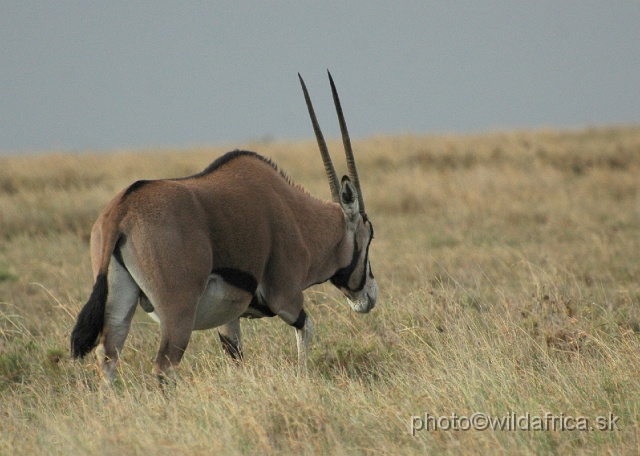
509	284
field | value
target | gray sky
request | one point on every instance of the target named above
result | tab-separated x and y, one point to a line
96	75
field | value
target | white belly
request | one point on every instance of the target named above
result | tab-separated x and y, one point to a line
220	304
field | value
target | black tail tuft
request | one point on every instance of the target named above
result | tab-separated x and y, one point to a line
84	336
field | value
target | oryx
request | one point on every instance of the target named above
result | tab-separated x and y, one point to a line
238	239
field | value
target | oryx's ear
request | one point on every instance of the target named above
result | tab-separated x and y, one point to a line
349	198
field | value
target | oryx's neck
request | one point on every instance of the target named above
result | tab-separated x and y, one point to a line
324	232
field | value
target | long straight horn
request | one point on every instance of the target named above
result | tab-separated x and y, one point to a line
351	163
322	145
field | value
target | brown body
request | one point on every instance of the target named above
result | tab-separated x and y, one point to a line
236	240
262	225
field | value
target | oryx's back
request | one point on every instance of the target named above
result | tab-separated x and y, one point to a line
241	200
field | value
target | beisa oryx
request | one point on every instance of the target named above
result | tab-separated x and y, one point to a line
238	239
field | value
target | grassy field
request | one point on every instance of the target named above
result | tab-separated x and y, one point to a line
509	285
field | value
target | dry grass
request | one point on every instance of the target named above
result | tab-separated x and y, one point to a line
509	282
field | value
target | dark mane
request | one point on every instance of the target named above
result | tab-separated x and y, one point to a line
229	156
216	164
135	186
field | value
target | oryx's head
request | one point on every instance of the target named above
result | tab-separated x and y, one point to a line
355	279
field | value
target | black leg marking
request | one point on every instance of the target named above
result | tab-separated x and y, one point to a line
231	348
302	319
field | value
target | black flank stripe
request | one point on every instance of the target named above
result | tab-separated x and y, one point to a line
117	252
237	278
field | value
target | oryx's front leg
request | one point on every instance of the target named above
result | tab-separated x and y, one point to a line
304	329
293	313
231	340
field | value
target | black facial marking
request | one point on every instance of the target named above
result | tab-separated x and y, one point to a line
341	278
237	278
366	256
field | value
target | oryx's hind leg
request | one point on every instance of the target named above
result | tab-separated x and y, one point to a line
231	339
177	314
119	310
